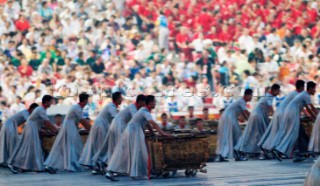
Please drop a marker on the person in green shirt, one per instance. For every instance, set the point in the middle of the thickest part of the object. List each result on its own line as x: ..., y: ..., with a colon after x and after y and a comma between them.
x: 35, y: 60
x: 92, y: 59
x: 16, y: 60
x: 60, y: 61
x: 80, y: 60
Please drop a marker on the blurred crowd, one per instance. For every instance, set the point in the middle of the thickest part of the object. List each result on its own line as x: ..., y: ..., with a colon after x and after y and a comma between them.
x: 181, y: 50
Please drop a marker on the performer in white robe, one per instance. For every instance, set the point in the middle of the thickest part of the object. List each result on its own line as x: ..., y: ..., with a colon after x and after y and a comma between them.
x: 99, y: 132
x: 130, y: 155
x: 28, y: 152
x: 269, y: 138
x: 291, y: 120
x: 9, y: 136
x: 314, y: 143
x: 229, y: 130
x: 116, y: 129
x: 68, y: 145
x: 257, y: 123
x: 313, y: 177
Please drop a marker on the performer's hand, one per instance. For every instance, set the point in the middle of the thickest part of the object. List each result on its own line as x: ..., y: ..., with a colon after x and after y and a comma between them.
x: 167, y: 134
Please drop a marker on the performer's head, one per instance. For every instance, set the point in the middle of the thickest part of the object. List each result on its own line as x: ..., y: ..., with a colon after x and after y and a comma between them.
x: 150, y: 102
x: 191, y: 110
x: 275, y: 90
x: 311, y: 87
x: 117, y: 98
x: 248, y: 95
x: 83, y: 99
x: 300, y: 85
x: 32, y: 107
x: 199, y: 123
x: 182, y: 121
x: 46, y: 101
x: 58, y: 119
x: 140, y: 101
x: 164, y: 118
x: 205, y: 113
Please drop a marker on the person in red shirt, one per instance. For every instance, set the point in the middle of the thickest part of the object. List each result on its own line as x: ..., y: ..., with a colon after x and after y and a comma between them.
x: 22, y: 24
x: 315, y: 31
x: 205, y: 20
x: 224, y: 35
x: 25, y: 69
x: 312, y: 14
x: 213, y: 34
x: 182, y: 38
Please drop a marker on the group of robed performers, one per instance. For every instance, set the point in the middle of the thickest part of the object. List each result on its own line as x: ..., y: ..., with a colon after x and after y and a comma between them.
x: 116, y: 142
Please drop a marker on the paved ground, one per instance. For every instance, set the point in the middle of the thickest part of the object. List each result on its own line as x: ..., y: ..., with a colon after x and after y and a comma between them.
x: 232, y: 173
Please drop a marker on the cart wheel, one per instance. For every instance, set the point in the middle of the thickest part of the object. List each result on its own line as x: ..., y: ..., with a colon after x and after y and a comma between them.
x: 165, y: 174
x: 157, y: 173
x: 187, y: 172
x: 193, y: 173
x: 174, y: 173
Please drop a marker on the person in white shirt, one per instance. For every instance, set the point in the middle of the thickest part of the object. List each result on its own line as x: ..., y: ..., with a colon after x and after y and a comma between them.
x: 147, y: 44
x: 246, y: 41
x: 165, y: 125
x: 272, y: 67
x: 198, y: 44
x: 182, y: 124
x: 273, y: 38
x: 17, y: 106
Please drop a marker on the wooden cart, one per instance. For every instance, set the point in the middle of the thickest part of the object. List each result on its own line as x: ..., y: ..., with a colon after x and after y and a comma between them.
x: 48, y: 140
x: 187, y: 152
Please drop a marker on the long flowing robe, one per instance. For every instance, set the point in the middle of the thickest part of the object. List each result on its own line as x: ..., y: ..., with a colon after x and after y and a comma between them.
x: 313, y: 177
x: 28, y: 152
x: 116, y: 129
x: 229, y: 130
x: 9, y: 136
x: 130, y: 155
x: 257, y: 124
x: 98, y: 134
x: 291, y: 123
x: 269, y: 138
x: 68, y: 145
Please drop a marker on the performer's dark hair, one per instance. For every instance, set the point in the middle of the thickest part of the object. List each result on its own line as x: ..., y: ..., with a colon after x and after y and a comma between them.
x: 141, y: 98
x: 58, y: 115
x: 83, y: 97
x: 248, y: 92
x: 300, y: 84
x: 311, y: 85
x: 163, y: 114
x: 46, y: 98
x: 190, y: 107
x: 198, y: 119
x: 150, y: 99
x: 33, y: 106
x: 116, y: 96
x: 205, y: 109
x: 275, y: 87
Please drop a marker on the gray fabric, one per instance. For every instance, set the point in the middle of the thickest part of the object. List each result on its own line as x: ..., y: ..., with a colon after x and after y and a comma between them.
x: 68, y: 146
x: 9, y: 136
x: 163, y: 38
x: 269, y: 138
x: 28, y: 153
x: 313, y: 177
x: 229, y: 130
x: 257, y: 124
x: 116, y: 129
x: 130, y: 155
x: 291, y: 123
x: 314, y: 143
x: 92, y: 153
